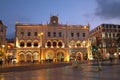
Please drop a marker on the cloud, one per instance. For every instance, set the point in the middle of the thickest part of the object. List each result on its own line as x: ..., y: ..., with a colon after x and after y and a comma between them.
x: 108, y: 9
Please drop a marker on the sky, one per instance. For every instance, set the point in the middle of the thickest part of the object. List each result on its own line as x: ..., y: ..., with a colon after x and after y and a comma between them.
x: 73, y: 12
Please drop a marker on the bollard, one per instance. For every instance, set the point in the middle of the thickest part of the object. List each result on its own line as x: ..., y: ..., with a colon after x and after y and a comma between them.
x: 1, y: 62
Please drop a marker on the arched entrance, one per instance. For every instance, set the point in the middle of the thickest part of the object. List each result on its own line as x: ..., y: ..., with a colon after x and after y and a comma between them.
x: 35, y: 56
x: 76, y: 56
x: 21, y: 57
x: 79, y: 56
x: 49, y: 56
x: 29, y: 57
x: 60, y: 56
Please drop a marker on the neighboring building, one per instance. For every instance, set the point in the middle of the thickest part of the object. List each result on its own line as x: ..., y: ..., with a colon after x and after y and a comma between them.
x: 53, y: 41
x: 10, y: 49
x: 2, y: 40
x: 105, y: 38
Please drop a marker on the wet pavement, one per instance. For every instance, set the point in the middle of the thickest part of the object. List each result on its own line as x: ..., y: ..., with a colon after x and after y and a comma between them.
x: 30, y: 66
x: 82, y: 72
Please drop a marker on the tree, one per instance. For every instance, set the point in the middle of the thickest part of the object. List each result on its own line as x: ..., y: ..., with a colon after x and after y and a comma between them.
x: 94, y: 49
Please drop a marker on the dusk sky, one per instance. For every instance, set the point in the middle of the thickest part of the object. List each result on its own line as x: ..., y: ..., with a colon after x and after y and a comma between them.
x: 74, y: 12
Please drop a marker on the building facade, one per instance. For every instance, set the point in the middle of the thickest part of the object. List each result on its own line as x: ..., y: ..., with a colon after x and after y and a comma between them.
x: 10, y: 55
x: 2, y: 40
x: 105, y: 38
x: 52, y: 41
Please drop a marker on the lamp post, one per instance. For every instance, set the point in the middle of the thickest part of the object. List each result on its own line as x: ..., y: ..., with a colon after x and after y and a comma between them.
x: 40, y: 35
x: 2, y: 50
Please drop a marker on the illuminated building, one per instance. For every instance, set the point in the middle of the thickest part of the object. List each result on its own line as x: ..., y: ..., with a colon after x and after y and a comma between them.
x: 58, y: 42
x: 10, y: 49
x: 2, y: 40
x: 105, y: 38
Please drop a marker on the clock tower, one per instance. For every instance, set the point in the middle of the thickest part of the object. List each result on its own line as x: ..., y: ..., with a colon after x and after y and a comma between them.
x: 54, y: 20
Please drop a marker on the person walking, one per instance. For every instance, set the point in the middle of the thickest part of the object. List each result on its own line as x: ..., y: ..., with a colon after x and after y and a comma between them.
x: 1, y: 62
x: 111, y: 58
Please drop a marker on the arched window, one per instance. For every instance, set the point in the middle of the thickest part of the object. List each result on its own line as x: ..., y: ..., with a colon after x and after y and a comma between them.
x: 54, y: 44
x: 60, y: 44
x: 78, y: 44
x: 29, y: 44
x: 49, y: 44
x: 72, y: 43
x: 35, y: 44
x: 22, y: 44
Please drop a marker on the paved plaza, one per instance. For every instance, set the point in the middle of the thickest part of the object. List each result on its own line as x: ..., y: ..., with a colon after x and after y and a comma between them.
x: 84, y: 71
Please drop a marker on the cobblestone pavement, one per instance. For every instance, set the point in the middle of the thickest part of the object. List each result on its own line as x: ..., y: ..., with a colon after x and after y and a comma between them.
x: 82, y: 72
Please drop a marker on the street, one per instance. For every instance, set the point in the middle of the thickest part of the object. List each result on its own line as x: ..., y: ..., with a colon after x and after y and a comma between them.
x: 83, y: 72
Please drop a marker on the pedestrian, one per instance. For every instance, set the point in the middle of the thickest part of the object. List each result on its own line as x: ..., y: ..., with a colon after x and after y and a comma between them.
x: 33, y: 61
x: 8, y: 61
x: 111, y: 58
x: 14, y: 61
x: 1, y: 62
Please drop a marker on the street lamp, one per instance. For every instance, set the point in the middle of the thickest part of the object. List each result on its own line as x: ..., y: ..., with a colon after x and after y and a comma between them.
x: 2, y: 50
x: 40, y: 35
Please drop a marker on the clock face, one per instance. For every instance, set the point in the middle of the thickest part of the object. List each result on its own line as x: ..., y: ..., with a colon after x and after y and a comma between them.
x: 54, y: 21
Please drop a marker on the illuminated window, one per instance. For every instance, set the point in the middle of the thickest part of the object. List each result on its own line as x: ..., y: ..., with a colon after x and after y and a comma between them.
x: 54, y: 44
x: 72, y: 43
x: 78, y: 44
x: 9, y: 47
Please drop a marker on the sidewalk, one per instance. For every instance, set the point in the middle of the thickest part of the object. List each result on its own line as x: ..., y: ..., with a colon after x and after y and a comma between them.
x: 31, y: 66
x: 85, y: 71
x: 105, y: 62
x: 17, y: 64
x: 28, y: 64
x: 34, y: 66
